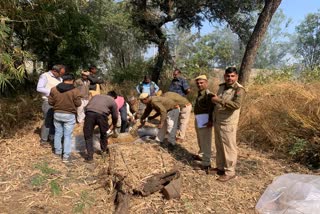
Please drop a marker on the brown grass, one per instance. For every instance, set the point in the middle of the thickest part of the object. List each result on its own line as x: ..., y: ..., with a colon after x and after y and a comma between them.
x: 274, y: 116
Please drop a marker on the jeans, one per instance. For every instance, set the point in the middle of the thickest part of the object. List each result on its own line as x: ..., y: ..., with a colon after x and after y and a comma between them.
x: 124, y: 119
x: 47, y: 128
x: 64, y: 124
x: 91, y: 120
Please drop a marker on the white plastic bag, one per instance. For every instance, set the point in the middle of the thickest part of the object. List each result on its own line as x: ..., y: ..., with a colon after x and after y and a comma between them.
x: 291, y: 194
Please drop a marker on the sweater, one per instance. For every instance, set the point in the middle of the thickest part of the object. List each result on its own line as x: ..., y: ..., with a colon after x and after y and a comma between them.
x: 65, y: 98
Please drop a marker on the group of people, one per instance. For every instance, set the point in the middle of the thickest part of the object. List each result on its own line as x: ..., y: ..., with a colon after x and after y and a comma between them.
x: 219, y: 110
x: 67, y: 101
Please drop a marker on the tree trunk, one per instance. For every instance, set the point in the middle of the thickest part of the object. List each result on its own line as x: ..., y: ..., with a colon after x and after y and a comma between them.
x: 159, y: 63
x: 255, y: 40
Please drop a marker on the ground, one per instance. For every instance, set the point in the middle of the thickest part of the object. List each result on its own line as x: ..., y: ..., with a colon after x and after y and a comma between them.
x: 33, y: 180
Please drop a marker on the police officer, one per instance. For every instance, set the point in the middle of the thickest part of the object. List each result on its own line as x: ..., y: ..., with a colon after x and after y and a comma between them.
x: 226, y: 116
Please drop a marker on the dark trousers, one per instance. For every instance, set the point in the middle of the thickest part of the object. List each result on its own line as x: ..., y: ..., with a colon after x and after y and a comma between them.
x: 124, y: 119
x: 91, y: 120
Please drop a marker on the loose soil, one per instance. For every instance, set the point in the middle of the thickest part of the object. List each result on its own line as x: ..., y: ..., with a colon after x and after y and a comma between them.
x: 33, y: 180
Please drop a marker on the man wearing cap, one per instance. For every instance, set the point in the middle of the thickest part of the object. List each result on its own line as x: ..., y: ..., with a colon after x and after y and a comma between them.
x: 97, y: 112
x: 226, y: 117
x: 185, y: 112
x: 47, y: 81
x: 169, y: 113
x: 65, y: 99
x: 83, y: 85
x: 203, y: 110
x: 179, y: 84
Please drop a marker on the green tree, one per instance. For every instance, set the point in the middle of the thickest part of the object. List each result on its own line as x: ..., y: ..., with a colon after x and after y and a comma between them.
x: 308, y: 40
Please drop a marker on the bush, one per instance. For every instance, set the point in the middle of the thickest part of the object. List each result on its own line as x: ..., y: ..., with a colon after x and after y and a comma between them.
x: 17, y: 113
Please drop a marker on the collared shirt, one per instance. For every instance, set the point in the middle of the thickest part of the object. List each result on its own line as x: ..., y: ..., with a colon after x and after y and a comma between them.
x: 179, y: 85
x: 233, y: 102
x: 204, y: 104
x: 161, y: 105
x: 41, y: 86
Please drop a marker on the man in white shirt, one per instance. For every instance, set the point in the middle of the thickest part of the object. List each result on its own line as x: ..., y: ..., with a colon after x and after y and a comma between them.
x: 47, y: 81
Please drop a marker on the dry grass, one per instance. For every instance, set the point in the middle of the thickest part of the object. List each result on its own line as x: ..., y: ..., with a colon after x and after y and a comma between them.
x: 279, y: 116
x: 32, y: 180
x: 16, y: 114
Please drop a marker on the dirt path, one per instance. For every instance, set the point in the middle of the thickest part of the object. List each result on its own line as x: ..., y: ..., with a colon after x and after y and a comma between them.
x: 32, y: 180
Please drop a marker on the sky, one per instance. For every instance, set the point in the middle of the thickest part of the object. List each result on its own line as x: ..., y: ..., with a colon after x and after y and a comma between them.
x: 297, y: 10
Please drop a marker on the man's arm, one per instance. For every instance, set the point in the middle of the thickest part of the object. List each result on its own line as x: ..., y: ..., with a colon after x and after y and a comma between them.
x: 77, y: 98
x: 234, y: 103
x: 41, y: 86
x: 185, y: 87
x: 146, y: 112
x: 95, y: 79
x: 159, y: 108
x: 138, y: 89
x: 51, y: 99
x: 156, y: 87
x: 114, y: 114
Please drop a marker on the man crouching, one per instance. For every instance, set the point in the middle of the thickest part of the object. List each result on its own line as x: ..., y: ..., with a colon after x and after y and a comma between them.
x: 169, y: 114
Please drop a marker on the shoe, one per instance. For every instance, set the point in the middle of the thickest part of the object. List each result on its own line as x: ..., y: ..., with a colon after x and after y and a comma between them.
x: 201, y: 167
x: 45, y: 144
x: 225, y: 178
x: 217, y: 171
x: 104, y: 154
x: 57, y: 155
x: 66, y: 160
x: 196, y: 157
x: 88, y: 160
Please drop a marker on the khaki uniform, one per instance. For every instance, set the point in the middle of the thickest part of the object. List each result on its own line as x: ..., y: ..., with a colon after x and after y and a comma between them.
x: 226, y: 118
x: 204, y: 105
x: 169, y: 113
x: 185, y: 112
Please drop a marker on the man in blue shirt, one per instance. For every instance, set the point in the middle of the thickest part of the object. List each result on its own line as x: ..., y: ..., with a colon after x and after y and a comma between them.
x: 147, y: 86
x: 179, y: 84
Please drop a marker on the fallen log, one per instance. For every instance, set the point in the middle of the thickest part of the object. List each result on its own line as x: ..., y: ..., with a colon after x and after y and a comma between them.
x: 157, y: 182
x: 173, y: 189
x: 121, y: 199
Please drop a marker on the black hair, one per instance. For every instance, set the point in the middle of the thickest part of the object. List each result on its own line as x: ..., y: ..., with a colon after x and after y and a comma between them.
x: 68, y: 77
x: 112, y: 94
x: 58, y: 68
x: 92, y: 67
x: 147, y: 77
x: 230, y: 70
